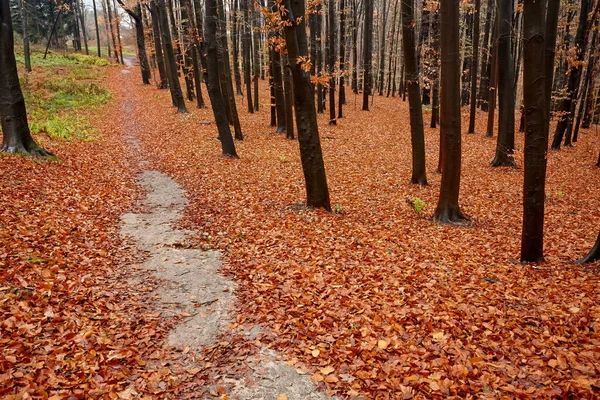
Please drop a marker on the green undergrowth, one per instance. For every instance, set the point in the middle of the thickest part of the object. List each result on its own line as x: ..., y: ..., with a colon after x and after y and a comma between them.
x: 60, y: 91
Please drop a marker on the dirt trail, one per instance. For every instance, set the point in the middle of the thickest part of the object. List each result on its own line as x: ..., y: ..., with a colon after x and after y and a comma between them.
x: 194, y: 285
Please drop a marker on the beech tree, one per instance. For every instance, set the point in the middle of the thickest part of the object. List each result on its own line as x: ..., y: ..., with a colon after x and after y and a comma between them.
x: 448, y: 210
x: 317, y: 192
x: 367, y: 53
x: 136, y: 14
x: 474, y: 64
x: 506, y: 95
x: 417, y: 135
x: 16, y: 137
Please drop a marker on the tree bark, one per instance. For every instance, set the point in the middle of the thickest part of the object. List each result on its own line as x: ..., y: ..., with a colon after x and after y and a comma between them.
x: 278, y: 89
x: 246, y: 44
x: 536, y: 141
x: 382, y: 47
x: 317, y: 193
x: 331, y: 62
x: 493, y: 92
x: 474, y: 64
x: 592, y: 255
x: 136, y: 15
x: 160, y: 60
x: 506, y: 96
x: 170, y: 62
x: 112, y: 30
x: 16, y: 137
x: 214, y: 88
x: 342, y: 95
x: 289, y: 101
x: 567, y: 104
x: 256, y: 56
x: 448, y: 210
x: 26, y: 52
x: 419, y: 175
x: 368, y: 53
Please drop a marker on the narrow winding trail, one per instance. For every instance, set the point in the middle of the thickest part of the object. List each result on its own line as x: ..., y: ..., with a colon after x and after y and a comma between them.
x: 193, y: 286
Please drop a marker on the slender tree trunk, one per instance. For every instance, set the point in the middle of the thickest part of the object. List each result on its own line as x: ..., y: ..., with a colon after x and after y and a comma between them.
x: 506, y: 96
x: 256, y: 56
x: 536, y: 141
x: 196, y: 53
x: 392, y: 52
x: 493, y: 93
x: 586, y: 84
x: 107, y: 28
x: 474, y: 64
x: 289, y: 101
x: 83, y: 30
x: 278, y: 89
x: 24, y: 22
x: 331, y: 62
x: 117, y: 19
x: 448, y: 210
x: 342, y: 96
x: 97, y: 30
x: 236, y: 49
x: 317, y: 193
x: 246, y: 44
x: 319, y: 60
x: 170, y: 62
x: 487, y: 55
x: 417, y: 135
x: 112, y: 30
x: 214, y: 88
x: 435, y: 106
x: 136, y: 14
x: 160, y: 61
x: 382, y: 47
x: 368, y: 53
x: 567, y: 105
x: 16, y: 137
x: 227, y: 89
x: 355, y: 46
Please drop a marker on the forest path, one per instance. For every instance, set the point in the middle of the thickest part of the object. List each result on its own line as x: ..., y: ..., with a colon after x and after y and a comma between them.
x: 193, y: 286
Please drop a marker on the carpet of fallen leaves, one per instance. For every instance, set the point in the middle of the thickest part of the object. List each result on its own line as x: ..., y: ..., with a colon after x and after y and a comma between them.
x: 374, y: 300
x: 379, y: 300
x: 71, y: 325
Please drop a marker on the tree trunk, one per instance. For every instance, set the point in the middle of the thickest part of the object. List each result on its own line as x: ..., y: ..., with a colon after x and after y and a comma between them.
x: 236, y: 49
x: 170, y: 62
x: 536, y: 141
x: 493, y: 93
x: 368, y: 53
x: 214, y: 88
x: 289, y: 101
x: 354, y: 46
x: 196, y: 51
x: 448, y: 210
x: 587, y: 82
x: 256, y: 56
x: 593, y: 255
x: 26, y: 52
x: 417, y: 135
x: 382, y: 47
x: 227, y: 89
x: 484, y: 84
x: 474, y: 64
x: 435, y: 104
x: 506, y: 95
x: 246, y: 44
x: 278, y: 89
x: 83, y: 30
x: 117, y: 19
x: 16, y: 137
x: 112, y: 30
x: 317, y: 193
x: 97, y: 30
x: 342, y: 96
x: 331, y: 62
x: 392, y: 51
x: 160, y: 60
x: 567, y: 105
x: 136, y: 15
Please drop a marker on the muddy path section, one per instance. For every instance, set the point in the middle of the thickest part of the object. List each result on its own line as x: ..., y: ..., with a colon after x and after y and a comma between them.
x: 193, y: 285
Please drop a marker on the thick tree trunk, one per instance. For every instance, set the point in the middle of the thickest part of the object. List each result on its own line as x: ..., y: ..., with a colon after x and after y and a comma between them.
x: 567, y: 105
x: 474, y: 64
x: 170, y: 62
x: 16, y: 137
x: 448, y: 210
x: 593, y: 255
x: 506, y: 95
x: 317, y: 193
x: 214, y: 88
x: 160, y: 60
x: 419, y: 175
x: 368, y: 53
x: 536, y: 141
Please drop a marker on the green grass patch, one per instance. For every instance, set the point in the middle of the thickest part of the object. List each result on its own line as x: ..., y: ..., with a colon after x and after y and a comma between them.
x: 58, y: 88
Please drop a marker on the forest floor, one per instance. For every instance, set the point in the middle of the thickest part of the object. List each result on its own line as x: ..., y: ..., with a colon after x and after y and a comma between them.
x: 374, y: 300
